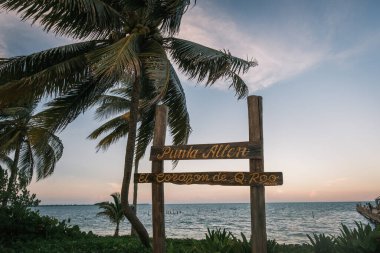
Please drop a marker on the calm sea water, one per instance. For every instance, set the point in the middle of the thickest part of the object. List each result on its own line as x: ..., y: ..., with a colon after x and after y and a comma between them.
x: 286, y: 222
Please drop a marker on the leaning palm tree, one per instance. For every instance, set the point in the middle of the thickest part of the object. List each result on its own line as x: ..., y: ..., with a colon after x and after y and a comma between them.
x: 121, y: 42
x: 35, y: 148
x: 113, y: 211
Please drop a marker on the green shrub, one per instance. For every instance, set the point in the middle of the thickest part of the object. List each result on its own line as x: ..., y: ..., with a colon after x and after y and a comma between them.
x: 222, y: 241
x: 322, y: 243
x: 20, y: 197
x: 218, y: 241
x: 88, y: 243
x: 25, y: 224
x: 362, y: 239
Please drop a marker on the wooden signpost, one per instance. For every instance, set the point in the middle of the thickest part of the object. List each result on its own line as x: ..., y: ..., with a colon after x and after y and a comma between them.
x: 256, y: 178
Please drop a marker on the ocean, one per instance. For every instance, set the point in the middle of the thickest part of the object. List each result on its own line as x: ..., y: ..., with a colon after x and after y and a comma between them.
x: 286, y: 222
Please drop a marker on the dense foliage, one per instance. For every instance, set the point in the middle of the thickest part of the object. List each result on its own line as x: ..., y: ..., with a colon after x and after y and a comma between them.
x: 362, y: 239
x: 43, y: 234
x: 20, y: 197
x: 19, y: 222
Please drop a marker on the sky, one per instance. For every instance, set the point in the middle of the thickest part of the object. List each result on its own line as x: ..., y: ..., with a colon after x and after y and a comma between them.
x: 318, y: 75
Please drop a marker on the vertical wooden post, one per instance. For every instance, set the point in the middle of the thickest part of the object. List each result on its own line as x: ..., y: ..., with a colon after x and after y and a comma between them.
x: 258, y: 222
x: 158, y: 212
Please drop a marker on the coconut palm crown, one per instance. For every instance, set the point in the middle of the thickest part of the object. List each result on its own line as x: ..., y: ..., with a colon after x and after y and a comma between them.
x: 122, y: 43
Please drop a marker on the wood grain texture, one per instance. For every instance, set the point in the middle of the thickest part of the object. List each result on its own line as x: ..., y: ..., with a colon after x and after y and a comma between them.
x: 158, y: 210
x: 213, y: 178
x: 236, y: 150
x: 257, y: 193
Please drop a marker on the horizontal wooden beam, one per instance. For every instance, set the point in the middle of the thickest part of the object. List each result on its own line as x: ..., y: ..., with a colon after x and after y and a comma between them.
x: 213, y: 178
x: 236, y: 150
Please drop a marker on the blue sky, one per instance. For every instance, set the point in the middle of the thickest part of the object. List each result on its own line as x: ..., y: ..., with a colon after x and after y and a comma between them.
x: 317, y: 73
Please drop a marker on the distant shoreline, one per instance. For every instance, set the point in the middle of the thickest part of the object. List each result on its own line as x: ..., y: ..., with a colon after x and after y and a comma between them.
x: 229, y: 203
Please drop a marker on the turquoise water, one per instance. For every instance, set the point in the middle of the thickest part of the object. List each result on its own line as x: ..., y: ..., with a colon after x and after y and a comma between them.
x: 286, y: 222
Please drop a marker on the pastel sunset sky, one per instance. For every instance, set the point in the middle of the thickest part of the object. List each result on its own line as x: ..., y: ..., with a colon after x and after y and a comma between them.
x: 318, y: 75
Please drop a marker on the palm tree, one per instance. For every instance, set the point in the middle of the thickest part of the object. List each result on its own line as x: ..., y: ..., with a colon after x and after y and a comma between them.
x: 118, y: 103
x: 113, y: 211
x: 35, y: 148
x: 121, y: 42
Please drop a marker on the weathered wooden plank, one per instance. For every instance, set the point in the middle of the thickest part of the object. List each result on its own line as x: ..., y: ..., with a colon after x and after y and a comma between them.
x: 158, y: 203
x: 257, y: 194
x: 213, y: 178
x: 236, y: 150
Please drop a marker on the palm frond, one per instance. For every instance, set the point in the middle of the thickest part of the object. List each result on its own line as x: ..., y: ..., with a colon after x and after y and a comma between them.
x: 76, y: 18
x: 116, y: 200
x: 169, y: 13
x: 47, y: 150
x: 117, y: 133
x: 6, y: 160
x: 56, y: 143
x: 118, y: 60
x: 111, y: 105
x: 50, y: 72
x: 46, y: 163
x: 26, y: 161
x: 9, y: 140
x: 145, y: 133
x: 238, y: 84
x: 209, y: 65
x: 178, y: 116
x: 110, y: 125
x: 13, y: 113
x: 63, y: 110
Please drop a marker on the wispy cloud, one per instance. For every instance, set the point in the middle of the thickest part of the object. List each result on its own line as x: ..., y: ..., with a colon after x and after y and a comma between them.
x: 299, y: 45
x: 295, y: 47
x: 278, y: 60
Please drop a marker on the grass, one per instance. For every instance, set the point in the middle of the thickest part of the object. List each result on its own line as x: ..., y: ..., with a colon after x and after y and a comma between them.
x: 109, y: 244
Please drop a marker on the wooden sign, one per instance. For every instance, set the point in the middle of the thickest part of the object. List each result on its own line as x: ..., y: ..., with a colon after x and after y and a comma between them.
x: 213, y: 178
x: 237, y: 150
x: 256, y: 178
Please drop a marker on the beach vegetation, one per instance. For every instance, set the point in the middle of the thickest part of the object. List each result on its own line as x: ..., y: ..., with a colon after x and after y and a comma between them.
x: 322, y: 243
x: 19, y: 222
x: 20, y: 197
x: 113, y: 211
x: 61, y: 237
x: 360, y: 239
x: 34, y: 147
x: 117, y: 44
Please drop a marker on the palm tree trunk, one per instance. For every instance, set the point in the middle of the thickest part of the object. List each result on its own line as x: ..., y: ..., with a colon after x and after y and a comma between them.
x: 135, y: 186
x: 12, y: 177
x: 128, y: 165
x: 117, y: 229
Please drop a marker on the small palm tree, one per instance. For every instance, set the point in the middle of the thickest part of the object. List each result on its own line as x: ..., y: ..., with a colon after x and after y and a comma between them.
x: 113, y: 211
